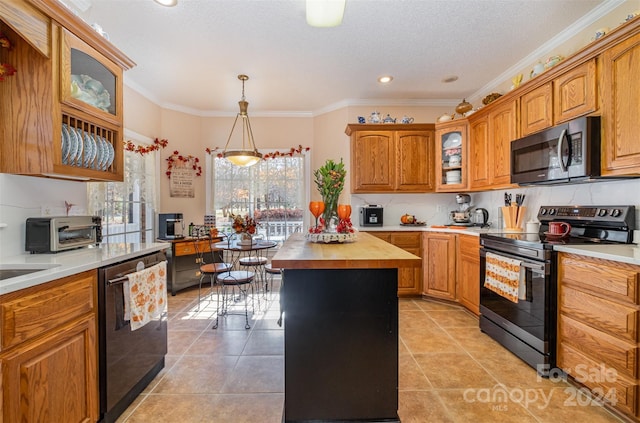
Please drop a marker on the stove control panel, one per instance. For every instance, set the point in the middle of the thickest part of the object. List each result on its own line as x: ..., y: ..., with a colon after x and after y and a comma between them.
x: 594, y: 214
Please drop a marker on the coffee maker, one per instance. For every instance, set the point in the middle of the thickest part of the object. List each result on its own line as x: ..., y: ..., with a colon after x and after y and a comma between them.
x: 170, y: 226
x: 462, y: 216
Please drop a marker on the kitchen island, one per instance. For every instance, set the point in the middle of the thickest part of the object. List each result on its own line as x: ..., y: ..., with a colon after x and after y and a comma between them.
x: 340, y: 309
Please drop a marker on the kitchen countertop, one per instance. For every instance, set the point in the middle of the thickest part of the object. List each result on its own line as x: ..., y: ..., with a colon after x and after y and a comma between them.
x: 367, y: 252
x: 627, y: 253
x: 71, y: 262
x: 466, y: 230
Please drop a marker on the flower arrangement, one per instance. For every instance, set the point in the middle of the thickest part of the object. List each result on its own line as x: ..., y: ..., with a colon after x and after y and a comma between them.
x: 329, y: 180
x: 244, y: 224
x: 143, y: 149
x: 176, y: 157
x: 5, y: 68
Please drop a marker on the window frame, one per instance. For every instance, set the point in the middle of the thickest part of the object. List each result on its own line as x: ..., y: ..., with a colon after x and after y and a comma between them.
x: 210, y: 180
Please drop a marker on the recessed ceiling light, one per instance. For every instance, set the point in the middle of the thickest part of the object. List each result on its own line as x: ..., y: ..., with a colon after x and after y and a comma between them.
x: 385, y: 79
x: 449, y: 79
x: 169, y: 3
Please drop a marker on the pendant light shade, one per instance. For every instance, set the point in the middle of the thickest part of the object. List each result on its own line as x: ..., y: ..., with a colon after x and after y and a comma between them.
x: 249, y: 154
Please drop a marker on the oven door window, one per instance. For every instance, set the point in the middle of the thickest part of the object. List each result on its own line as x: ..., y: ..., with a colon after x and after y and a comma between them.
x: 531, y: 315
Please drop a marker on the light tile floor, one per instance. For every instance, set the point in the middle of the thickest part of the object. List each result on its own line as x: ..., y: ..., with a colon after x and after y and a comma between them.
x: 449, y: 372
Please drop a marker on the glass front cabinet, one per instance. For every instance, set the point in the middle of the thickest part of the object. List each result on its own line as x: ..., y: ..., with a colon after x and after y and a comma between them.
x: 451, y: 156
x: 91, y: 112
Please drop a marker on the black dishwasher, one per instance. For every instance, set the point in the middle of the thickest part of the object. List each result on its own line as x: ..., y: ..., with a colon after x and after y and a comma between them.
x: 128, y: 360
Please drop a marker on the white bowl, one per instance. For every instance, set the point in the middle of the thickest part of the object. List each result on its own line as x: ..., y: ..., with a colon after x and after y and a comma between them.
x: 453, y: 174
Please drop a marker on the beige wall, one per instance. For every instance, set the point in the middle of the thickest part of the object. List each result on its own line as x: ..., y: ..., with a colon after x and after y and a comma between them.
x: 191, y: 135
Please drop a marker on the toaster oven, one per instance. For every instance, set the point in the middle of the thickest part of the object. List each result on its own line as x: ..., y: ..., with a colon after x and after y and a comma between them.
x: 56, y: 234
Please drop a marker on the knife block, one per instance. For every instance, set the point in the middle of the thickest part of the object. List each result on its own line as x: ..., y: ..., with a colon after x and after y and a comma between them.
x: 513, y: 217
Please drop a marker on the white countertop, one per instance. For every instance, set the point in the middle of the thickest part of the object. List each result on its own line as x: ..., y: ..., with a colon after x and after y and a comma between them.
x: 71, y: 262
x: 466, y: 230
x: 628, y: 253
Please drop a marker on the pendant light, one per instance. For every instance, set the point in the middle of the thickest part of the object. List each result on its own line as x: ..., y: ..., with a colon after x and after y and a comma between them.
x: 250, y: 155
x: 325, y: 13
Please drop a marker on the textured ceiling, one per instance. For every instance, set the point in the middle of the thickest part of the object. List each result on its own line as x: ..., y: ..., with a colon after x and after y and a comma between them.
x: 188, y: 57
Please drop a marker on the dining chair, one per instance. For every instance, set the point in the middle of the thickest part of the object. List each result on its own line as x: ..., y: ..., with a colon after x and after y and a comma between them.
x: 206, y: 259
x: 242, y: 280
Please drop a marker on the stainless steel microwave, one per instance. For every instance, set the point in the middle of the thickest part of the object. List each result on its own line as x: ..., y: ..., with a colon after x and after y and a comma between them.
x: 569, y: 152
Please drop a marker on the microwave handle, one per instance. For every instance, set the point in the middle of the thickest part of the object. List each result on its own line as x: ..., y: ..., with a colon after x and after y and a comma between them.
x: 561, y: 140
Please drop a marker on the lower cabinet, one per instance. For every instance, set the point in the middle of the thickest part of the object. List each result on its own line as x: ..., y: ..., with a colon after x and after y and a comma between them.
x: 409, y: 279
x: 468, y: 268
x: 439, y: 264
x: 598, y: 318
x: 184, y: 269
x: 49, y: 352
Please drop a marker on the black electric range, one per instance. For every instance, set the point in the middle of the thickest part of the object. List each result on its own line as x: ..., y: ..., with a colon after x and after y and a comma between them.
x: 527, y: 325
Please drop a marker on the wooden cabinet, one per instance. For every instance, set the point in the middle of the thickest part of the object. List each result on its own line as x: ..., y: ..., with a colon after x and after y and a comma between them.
x: 570, y: 95
x: 536, y: 109
x: 620, y: 66
x: 391, y: 158
x: 468, y: 272
x: 49, y: 351
x: 64, y: 115
x: 503, y: 128
x: 574, y: 92
x: 439, y: 265
x: 491, y: 133
x: 184, y: 269
x: 410, y: 278
x: 598, y: 339
x: 479, y: 153
x: 451, y: 156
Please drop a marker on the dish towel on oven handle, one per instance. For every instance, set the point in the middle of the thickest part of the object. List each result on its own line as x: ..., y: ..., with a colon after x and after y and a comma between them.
x: 145, y: 295
x: 506, y: 277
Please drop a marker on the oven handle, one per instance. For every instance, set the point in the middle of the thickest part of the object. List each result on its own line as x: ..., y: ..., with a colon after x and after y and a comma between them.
x: 524, y: 263
x: 124, y: 278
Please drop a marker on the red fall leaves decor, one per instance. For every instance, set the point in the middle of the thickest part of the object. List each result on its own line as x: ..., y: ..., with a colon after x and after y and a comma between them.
x: 144, y: 149
x: 176, y: 157
x: 6, y: 69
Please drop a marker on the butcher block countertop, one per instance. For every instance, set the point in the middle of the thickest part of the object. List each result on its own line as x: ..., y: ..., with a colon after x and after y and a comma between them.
x: 365, y: 253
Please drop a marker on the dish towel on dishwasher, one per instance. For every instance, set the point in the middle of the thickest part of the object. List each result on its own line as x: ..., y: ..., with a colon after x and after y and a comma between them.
x: 145, y: 295
x: 505, y: 277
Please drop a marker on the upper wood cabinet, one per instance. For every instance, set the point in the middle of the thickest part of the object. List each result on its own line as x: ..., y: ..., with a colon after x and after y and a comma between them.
x: 574, y: 92
x: 66, y: 117
x: 620, y: 66
x: 391, y: 158
x: 570, y: 95
x: 491, y: 133
x: 536, y: 109
x: 451, y: 156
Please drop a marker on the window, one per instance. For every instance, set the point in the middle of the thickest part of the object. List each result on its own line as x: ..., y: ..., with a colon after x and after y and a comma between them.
x: 127, y: 208
x: 273, y: 192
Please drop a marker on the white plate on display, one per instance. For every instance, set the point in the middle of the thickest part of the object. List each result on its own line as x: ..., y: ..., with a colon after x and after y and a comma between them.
x: 89, y: 150
x: 65, y: 144
x: 105, y: 153
x: 97, y: 163
x: 73, y: 145
x: 454, y: 140
x: 111, y: 154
